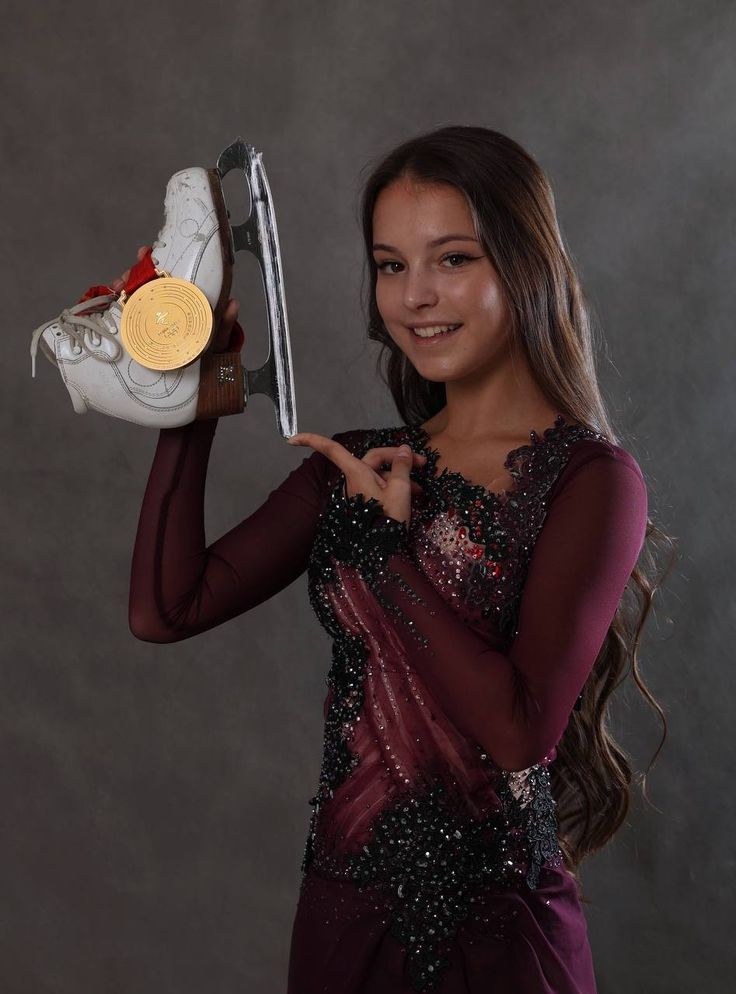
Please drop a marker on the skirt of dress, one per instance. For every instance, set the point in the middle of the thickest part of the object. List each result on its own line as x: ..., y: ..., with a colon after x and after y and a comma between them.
x: 517, y: 942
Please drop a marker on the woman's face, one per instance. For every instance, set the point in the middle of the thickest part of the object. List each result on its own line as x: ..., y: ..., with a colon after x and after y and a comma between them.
x: 432, y: 271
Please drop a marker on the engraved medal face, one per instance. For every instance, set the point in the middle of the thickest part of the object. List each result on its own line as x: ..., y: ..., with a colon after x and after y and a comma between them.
x: 166, y: 323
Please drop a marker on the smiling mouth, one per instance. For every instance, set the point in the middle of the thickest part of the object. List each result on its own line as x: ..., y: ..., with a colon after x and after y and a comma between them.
x: 436, y: 331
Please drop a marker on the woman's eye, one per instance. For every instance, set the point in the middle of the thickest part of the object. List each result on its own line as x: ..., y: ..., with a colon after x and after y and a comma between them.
x: 456, y: 255
x: 381, y: 266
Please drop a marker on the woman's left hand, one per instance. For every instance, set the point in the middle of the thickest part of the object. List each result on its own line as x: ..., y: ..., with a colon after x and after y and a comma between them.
x: 391, y: 488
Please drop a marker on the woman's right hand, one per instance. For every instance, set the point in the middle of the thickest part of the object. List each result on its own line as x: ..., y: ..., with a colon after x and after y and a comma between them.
x: 227, y: 336
x: 392, y: 488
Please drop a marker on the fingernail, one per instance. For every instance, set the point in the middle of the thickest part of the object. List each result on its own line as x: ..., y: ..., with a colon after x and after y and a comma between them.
x: 404, y: 450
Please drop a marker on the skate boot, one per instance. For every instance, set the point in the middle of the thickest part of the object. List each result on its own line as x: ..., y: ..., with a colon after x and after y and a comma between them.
x: 154, y: 365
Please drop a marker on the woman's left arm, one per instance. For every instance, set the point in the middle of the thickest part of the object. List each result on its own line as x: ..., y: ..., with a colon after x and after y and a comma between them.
x: 517, y: 705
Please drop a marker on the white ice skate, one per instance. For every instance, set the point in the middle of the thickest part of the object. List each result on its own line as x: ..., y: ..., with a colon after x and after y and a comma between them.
x: 197, y: 244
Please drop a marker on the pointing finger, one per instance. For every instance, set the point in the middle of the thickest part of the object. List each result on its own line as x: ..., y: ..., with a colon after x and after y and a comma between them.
x: 384, y: 454
x: 401, y: 463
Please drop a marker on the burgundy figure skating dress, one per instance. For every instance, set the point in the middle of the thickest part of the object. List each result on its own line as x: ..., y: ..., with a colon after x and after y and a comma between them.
x: 460, y: 646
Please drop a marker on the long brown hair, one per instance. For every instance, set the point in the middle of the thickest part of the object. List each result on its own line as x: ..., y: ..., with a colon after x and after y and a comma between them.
x: 513, y: 210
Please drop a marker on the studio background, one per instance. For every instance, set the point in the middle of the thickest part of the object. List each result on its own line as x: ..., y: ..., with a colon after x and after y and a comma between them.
x: 154, y: 797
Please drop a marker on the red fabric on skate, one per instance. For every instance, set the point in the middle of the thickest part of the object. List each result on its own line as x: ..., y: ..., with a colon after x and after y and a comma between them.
x: 142, y: 272
x: 96, y: 291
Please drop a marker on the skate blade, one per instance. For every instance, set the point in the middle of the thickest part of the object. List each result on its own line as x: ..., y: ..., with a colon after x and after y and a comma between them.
x: 259, y: 236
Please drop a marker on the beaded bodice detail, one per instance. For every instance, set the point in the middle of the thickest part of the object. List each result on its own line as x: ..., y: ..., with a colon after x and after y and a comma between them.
x: 405, y: 802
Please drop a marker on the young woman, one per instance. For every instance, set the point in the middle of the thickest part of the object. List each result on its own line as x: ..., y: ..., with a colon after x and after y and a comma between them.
x: 470, y: 565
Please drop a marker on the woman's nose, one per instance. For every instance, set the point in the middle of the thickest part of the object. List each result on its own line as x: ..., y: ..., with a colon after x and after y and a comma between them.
x: 419, y: 290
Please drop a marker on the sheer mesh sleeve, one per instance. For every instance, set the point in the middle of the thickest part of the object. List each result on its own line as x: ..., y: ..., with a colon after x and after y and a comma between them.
x: 517, y: 705
x: 179, y: 585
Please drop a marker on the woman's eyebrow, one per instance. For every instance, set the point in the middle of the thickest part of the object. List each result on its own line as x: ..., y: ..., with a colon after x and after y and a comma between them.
x: 437, y: 241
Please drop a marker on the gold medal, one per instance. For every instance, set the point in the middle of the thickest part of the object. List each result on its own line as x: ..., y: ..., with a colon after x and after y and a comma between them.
x: 166, y: 323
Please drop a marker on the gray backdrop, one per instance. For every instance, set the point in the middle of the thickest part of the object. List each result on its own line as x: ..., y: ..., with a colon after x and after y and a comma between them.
x: 154, y: 798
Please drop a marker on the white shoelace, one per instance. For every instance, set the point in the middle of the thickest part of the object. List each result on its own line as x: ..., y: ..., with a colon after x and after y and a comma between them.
x: 76, y: 326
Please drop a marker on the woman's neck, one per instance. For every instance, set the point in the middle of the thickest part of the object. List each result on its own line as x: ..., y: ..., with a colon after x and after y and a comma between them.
x: 506, y: 405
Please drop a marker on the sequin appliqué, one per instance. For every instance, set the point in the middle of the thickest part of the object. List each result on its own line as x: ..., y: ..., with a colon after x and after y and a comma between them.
x: 434, y: 862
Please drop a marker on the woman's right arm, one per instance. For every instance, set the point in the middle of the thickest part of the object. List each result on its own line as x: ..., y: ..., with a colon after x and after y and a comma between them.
x: 179, y: 586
